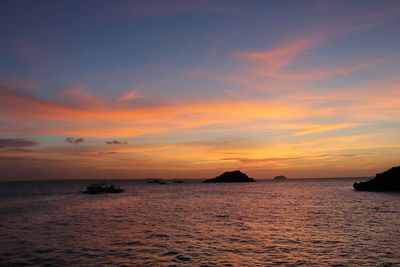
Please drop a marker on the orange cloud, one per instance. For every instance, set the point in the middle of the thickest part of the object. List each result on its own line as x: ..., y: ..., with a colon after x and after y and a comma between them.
x: 133, y: 120
x: 252, y: 160
x: 325, y: 128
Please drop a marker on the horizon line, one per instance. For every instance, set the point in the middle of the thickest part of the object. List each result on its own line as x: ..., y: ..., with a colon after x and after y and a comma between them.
x: 171, y: 179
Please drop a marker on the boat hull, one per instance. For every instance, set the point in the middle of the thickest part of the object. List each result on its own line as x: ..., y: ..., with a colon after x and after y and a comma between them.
x: 103, y: 191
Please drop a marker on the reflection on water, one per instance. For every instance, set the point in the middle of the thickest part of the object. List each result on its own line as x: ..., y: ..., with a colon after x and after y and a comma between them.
x: 307, y: 222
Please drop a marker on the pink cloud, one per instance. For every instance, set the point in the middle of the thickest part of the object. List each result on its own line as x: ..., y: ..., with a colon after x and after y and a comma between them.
x: 134, y: 94
x: 274, y: 63
x: 80, y: 96
x: 281, y: 56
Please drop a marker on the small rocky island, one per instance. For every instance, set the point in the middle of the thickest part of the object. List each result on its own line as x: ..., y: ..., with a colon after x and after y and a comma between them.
x: 280, y: 177
x: 230, y: 177
x: 385, y: 181
x: 155, y: 181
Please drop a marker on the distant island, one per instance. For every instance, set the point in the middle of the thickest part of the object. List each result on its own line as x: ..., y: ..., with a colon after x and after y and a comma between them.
x: 385, y: 181
x: 230, y: 177
x: 155, y: 181
x: 280, y: 177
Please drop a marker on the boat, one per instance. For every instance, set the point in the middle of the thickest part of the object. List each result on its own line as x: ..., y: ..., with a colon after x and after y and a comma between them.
x: 155, y: 181
x: 102, y: 188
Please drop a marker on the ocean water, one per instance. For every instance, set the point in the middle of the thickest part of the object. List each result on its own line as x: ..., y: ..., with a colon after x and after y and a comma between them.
x: 267, y: 223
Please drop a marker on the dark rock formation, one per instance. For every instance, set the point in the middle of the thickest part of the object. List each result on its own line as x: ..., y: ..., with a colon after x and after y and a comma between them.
x: 280, y: 177
x: 230, y: 177
x: 155, y: 181
x: 385, y: 181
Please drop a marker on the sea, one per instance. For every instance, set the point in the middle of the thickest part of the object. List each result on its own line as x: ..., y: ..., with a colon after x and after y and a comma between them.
x: 296, y: 222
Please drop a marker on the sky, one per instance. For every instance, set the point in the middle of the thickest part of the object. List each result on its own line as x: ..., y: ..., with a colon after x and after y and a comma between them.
x: 190, y: 89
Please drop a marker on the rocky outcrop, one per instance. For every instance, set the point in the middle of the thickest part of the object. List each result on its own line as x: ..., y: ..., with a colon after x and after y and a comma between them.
x: 155, y: 181
x: 385, y: 181
x: 280, y: 177
x: 230, y: 177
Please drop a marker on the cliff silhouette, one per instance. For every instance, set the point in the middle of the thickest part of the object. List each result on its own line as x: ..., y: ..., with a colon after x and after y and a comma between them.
x: 230, y: 177
x: 385, y: 181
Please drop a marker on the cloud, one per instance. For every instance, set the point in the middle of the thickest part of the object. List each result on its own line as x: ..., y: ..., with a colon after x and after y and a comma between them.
x: 325, y: 128
x: 252, y: 160
x: 279, y: 68
x: 109, y: 153
x: 16, y: 85
x: 25, y: 114
x: 230, y: 92
x: 270, y: 160
x: 17, y: 143
x: 75, y: 141
x: 119, y: 120
x: 80, y: 96
x: 130, y: 96
x: 274, y: 68
x: 12, y: 158
x: 337, y: 155
x: 282, y: 56
x: 116, y: 142
x: 275, y: 63
x: 43, y: 160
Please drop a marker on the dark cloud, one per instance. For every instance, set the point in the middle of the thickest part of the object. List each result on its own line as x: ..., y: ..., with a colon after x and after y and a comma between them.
x: 115, y: 142
x: 17, y: 143
x: 21, y: 150
x: 16, y: 158
x: 12, y: 158
x: 75, y: 141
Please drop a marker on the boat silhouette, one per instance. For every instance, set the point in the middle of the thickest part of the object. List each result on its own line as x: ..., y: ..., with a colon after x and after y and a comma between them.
x: 102, y: 188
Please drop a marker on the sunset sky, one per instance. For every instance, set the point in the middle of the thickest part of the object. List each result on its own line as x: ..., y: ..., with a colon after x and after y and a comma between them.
x: 189, y: 89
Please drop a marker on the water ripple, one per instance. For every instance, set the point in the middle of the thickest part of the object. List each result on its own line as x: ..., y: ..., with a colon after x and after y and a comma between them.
x: 298, y: 223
